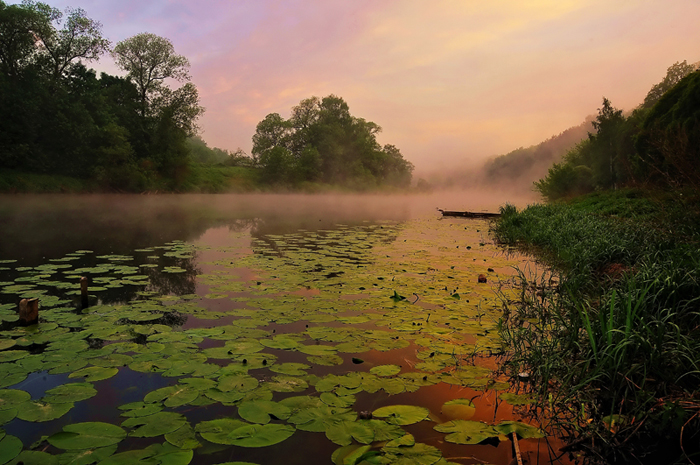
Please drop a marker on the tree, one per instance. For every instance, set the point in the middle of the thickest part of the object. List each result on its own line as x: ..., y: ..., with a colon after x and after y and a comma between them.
x: 674, y: 74
x: 80, y: 38
x: 273, y: 131
x: 149, y: 60
x: 19, y: 26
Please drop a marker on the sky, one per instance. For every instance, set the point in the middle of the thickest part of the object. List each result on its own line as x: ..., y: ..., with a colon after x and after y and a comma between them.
x: 451, y: 82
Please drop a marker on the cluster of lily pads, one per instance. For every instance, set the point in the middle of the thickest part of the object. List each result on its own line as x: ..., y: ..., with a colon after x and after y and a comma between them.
x: 290, y: 351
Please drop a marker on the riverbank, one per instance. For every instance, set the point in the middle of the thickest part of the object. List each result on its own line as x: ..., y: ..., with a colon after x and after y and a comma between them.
x: 610, y: 337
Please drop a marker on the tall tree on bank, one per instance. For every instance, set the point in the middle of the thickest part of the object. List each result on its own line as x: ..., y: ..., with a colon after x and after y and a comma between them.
x: 168, y: 116
x: 149, y: 60
x: 323, y: 142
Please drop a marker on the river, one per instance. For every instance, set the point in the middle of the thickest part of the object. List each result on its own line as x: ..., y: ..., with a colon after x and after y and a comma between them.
x: 257, y: 329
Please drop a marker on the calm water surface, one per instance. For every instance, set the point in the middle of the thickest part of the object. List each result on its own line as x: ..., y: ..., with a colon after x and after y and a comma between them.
x: 181, y: 278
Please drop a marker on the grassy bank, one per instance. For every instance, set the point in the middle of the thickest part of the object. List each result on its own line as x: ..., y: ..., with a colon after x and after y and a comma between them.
x: 610, y: 338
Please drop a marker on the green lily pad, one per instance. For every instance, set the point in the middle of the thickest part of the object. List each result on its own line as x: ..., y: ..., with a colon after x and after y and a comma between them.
x: 34, y: 457
x: 402, y: 414
x: 523, y: 430
x: 385, y: 370
x: 353, y: 454
x: 459, y: 409
x: 239, y: 383
x: 153, y: 454
x: 10, y: 447
x: 87, y: 457
x: 466, y: 431
x: 287, y: 384
x: 217, y: 431
x: 92, y: 374
x: 292, y: 369
x: 344, y: 432
x: 73, y: 392
x: 173, y: 396
x: 418, y: 454
x: 318, y: 419
x: 40, y: 412
x: 154, y: 425
x: 260, y: 411
x: 183, y: 438
x: 260, y: 435
x: 88, y: 435
x: 10, y: 398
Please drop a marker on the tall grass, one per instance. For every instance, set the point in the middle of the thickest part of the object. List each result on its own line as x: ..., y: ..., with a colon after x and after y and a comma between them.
x: 613, y: 349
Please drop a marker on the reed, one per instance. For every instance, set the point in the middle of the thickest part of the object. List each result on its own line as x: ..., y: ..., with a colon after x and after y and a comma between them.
x: 613, y: 349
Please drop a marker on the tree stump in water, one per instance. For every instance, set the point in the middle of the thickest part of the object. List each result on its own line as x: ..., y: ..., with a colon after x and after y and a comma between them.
x: 29, y: 311
x: 84, y: 292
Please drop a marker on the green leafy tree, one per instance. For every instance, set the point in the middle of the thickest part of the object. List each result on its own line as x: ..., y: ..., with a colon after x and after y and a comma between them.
x: 19, y: 27
x: 323, y: 142
x: 80, y: 38
x: 674, y: 74
x: 149, y: 60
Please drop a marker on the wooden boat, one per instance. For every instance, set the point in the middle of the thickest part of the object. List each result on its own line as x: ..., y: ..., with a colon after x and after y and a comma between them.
x: 469, y: 214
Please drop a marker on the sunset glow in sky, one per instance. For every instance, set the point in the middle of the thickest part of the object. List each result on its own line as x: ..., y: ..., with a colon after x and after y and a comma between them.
x: 449, y: 81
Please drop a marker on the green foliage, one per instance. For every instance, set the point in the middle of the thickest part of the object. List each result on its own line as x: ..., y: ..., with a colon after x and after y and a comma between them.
x: 322, y: 142
x: 124, y: 133
x: 657, y: 144
x: 669, y: 140
x: 615, y: 327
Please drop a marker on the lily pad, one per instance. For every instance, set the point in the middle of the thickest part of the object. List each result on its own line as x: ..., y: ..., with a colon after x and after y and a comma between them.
x: 402, y: 414
x: 154, y: 425
x: 260, y: 435
x: 92, y: 374
x: 523, y: 430
x: 73, y: 392
x: 217, y: 431
x: 10, y: 447
x: 344, y: 432
x: 418, y: 454
x: 466, y: 431
x: 88, y: 435
x: 385, y: 370
x: 260, y: 411
x: 459, y: 409
x: 10, y: 398
x: 40, y: 412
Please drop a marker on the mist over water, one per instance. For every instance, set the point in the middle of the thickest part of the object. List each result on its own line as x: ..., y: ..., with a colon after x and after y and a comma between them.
x: 35, y: 228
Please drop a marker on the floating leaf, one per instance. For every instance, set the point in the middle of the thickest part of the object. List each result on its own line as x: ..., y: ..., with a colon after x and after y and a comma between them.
x: 92, y: 374
x: 293, y: 369
x: 40, y: 412
x: 260, y: 411
x: 466, y: 431
x: 260, y: 435
x: 73, y: 392
x: 459, y: 409
x: 217, y: 431
x: 154, y: 425
x: 385, y: 370
x: 183, y: 437
x: 342, y: 433
x: 10, y: 447
x: 523, y: 430
x: 10, y: 398
x: 153, y: 454
x: 402, y: 414
x: 418, y: 454
x: 88, y: 435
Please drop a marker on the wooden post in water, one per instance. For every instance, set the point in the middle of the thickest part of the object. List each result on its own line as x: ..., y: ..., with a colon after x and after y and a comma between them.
x: 84, y: 292
x: 29, y: 311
